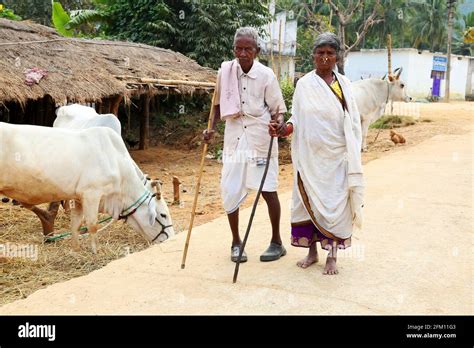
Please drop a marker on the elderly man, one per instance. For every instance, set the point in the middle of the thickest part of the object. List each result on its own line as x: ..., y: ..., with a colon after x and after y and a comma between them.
x: 247, y: 94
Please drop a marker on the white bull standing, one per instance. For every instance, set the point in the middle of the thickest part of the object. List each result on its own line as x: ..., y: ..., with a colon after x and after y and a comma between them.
x: 76, y: 116
x: 372, y: 95
x: 91, y: 167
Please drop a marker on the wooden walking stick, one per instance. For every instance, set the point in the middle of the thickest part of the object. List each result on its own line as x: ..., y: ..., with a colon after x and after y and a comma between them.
x: 198, y: 184
x: 267, y: 164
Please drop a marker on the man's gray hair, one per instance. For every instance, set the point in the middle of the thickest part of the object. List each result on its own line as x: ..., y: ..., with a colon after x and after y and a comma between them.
x: 246, y: 32
x: 329, y: 39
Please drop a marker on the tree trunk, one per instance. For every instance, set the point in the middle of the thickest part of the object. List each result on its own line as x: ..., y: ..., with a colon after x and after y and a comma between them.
x: 340, y: 62
x: 450, y: 34
x: 340, y: 66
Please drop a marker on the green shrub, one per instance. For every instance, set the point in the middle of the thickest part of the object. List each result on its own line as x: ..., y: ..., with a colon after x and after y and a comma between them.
x: 8, y: 14
x: 393, y: 121
x: 287, y: 89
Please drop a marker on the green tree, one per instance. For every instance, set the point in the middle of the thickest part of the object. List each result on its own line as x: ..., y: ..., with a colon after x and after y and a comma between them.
x: 8, y: 14
x: 313, y: 18
x: 397, y: 17
x: 459, y: 46
x: 430, y: 24
x: 202, y: 30
x: 346, y: 13
x: 40, y: 10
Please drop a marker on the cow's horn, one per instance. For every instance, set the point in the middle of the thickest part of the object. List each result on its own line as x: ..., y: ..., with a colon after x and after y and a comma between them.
x: 157, y: 188
x: 397, y: 75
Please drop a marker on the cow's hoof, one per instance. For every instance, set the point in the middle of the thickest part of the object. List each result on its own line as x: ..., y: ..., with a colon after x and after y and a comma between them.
x: 5, y: 200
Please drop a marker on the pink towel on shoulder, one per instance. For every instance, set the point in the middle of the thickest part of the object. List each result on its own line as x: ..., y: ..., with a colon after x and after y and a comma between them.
x: 230, y: 95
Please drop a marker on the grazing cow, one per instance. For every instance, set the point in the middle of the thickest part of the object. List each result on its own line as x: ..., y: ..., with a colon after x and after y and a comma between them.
x: 373, y: 94
x: 76, y: 116
x: 92, y: 167
x: 79, y: 117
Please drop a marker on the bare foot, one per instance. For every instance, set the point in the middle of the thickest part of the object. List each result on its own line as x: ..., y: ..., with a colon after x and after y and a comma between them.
x: 330, y: 268
x: 311, y: 258
x: 307, y: 261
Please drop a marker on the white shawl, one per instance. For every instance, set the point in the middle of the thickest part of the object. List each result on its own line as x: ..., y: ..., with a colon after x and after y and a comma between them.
x: 326, y: 153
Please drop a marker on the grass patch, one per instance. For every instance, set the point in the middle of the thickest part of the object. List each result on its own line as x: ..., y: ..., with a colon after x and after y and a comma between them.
x: 393, y: 121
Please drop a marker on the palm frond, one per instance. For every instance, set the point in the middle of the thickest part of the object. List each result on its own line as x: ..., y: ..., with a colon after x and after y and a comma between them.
x: 79, y: 17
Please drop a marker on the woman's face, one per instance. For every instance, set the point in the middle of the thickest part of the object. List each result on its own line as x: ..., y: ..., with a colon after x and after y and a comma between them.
x: 324, y: 58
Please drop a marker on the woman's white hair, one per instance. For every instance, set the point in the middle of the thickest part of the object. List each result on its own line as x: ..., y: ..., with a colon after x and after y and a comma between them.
x: 328, y: 39
x: 246, y: 32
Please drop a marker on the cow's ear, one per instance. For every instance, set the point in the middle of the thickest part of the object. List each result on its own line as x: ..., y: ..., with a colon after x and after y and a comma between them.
x: 152, y: 216
x: 391, y: 78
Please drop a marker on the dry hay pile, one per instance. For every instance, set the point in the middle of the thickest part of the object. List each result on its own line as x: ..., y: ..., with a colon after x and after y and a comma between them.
x: 56, y: 261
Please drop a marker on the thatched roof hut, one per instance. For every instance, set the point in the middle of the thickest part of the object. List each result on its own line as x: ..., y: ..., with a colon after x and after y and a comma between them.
x: 88, y: 71
x: 83, y: 70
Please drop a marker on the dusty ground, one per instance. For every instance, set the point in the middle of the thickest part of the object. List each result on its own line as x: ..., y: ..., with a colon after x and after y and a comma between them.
x: 56, y: 262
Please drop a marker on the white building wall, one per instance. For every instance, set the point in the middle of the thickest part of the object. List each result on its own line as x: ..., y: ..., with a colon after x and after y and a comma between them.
x: 416, y: 70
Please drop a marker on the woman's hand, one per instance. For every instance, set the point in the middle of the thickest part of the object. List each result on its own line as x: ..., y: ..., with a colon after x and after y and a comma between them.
x: 277, y: 126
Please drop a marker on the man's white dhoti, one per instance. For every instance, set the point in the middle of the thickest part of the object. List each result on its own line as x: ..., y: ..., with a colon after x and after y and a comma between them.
x: 242, y: 171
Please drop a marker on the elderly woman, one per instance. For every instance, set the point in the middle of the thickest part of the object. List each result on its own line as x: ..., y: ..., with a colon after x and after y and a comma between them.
x: 328, y: 182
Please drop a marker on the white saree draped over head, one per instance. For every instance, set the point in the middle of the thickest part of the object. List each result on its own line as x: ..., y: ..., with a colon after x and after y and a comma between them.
x: 326, y: 155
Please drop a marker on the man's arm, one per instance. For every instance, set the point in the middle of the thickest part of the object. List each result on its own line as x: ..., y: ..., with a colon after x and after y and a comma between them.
x: 276, y: 104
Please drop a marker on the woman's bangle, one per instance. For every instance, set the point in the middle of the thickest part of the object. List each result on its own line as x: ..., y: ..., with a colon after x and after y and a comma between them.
x: 289, y: 129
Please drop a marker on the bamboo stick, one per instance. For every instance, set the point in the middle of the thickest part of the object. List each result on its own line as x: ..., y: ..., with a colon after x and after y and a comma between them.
x: 165, y: 82
x: 198, y: 184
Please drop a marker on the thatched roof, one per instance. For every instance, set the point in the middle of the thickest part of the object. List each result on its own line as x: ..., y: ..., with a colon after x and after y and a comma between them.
x: 85, y: 70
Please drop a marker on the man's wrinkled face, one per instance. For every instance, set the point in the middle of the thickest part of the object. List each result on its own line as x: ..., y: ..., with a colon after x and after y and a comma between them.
x: 245, y: 50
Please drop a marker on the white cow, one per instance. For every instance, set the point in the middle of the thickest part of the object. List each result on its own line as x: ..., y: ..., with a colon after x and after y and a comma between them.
x: 76, y: 116
x: 91, y: 167
x: 372, y: 95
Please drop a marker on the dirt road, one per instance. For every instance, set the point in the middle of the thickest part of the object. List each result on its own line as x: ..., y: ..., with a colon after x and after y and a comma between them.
x: 414, y: 255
